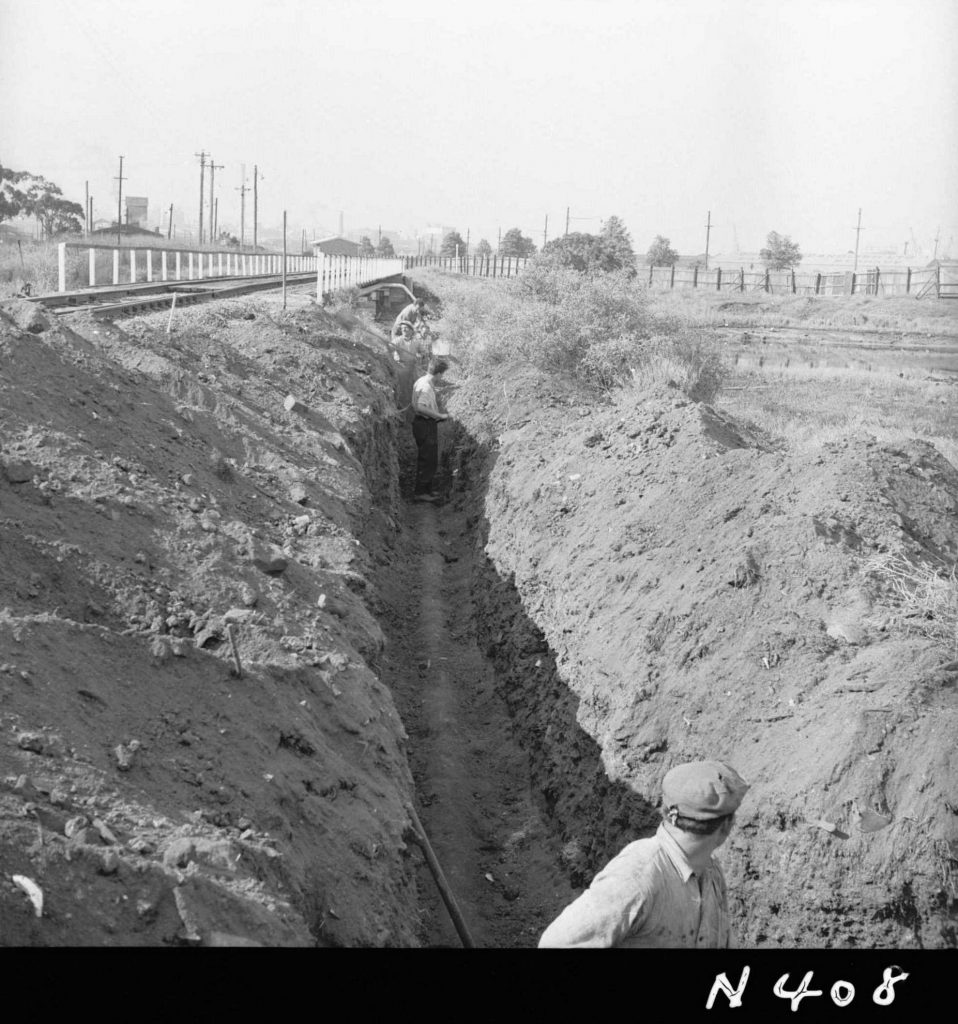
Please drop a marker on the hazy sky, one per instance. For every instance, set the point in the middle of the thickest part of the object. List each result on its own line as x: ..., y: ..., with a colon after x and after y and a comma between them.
x: 403, y: 113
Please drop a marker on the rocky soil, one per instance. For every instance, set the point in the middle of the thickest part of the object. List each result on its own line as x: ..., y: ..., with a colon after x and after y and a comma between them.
x: 233, y: 657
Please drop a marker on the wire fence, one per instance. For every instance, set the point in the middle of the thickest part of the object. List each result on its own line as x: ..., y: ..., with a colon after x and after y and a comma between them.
x: 874, y: 281
x: 937, y: 282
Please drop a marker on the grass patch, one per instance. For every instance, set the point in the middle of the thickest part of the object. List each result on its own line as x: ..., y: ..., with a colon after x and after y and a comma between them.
x: 926, y: 598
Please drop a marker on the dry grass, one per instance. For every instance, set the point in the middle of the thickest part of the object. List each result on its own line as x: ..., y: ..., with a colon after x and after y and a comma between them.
x: 926, y: 598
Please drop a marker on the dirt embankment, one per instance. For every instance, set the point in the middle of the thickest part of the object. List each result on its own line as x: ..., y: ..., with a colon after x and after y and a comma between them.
x: 660, y: 585
x: 215, y: 610
x: 196, y: 746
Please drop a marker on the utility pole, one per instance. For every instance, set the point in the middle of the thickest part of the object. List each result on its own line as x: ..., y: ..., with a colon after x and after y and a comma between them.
x: 86, y: 210
x: 216, y: 217
x: 213, y: 169
x: 169, y: 227
x: 858, y: 232
x: 90, y: 216
x: 708, y: 231
x: 119, y: 203
x: 202, y: 155
x: 567, y: 220
x: 545, y: 232
x: 937, y: 237
x: 243, y: 189
x: 255, y: 202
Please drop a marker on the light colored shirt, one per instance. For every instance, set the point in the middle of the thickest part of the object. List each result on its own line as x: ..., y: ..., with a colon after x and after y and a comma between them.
x: 424, y: 398
x: 647, y: 896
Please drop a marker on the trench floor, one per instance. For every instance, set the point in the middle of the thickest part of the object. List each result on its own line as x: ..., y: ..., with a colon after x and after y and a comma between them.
x: 474, y: 797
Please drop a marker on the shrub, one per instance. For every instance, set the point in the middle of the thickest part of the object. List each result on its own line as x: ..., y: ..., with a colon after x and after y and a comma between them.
x: 597, y: 329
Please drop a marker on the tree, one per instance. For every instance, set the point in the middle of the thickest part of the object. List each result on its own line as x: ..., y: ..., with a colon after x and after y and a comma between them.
x: 483, y: 248
x: 385, y: 247
x: 514, y: 243
x: 661, y: 253
x: 12, y: 198
x: 606, y: 252
x: 780, y: 252
x: 366, y: 247
x: 615, y: 251
x: 450, y: 243
x: 578, y: 250
x: 24, y: 193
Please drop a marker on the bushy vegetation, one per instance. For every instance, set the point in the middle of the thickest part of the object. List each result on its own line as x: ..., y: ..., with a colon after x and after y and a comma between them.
x: 597, y: 329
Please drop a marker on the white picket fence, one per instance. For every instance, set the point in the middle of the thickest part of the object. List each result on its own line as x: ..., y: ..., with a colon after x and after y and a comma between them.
x: 335, y: 272
x: 133, y: 265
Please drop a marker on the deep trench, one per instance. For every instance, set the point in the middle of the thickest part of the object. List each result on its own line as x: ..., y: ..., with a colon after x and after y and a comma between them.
x: 511, y: 791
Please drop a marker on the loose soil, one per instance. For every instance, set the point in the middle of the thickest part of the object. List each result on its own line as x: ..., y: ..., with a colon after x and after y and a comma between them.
x: 234, y: 655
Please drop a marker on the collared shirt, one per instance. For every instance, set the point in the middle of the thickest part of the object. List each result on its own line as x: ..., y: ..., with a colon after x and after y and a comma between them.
x: 424, y: 398
x: 647, y: 896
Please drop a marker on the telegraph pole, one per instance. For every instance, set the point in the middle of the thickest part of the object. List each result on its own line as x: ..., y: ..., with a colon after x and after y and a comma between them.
x: 255, y: 202
x: 545, y: 232
x: 567, y: 220
x: 708, y: 231
x: 213, y: 169
x: 243, y: 189
x: 937, y: 237
x: 86, y: 209
x: 169, y: 227
x: 216, y: 217
x: 858, y: 232
x: 202, y: 155
x: 119, y: 203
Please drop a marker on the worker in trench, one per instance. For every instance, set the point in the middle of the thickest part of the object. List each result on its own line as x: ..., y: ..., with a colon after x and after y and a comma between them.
x: 413, y: 314
x: 425, y: 429
x: 667, y: 890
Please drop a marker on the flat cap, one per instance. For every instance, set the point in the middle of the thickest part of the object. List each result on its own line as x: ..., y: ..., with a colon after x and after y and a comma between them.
x: 703, y: 789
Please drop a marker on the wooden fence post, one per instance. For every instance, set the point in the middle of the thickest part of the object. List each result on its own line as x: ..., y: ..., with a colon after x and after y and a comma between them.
x: 908, y: 281
x: 768, y: 281
x: 718, y: 279
x: 61, y: 266
x: 818, y: 282
x: 854, y: 275
x: 741, y: 279
x: 92, y: 260
x: 793, y: 281
x: 695, y: 276
x: 672, y: 277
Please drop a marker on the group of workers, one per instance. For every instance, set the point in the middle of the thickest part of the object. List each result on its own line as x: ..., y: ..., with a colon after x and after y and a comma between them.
x: 666, y: 890
x: 427, y: 413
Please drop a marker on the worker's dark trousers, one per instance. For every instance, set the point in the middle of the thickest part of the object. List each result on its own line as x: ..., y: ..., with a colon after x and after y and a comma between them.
x: 426, y: 433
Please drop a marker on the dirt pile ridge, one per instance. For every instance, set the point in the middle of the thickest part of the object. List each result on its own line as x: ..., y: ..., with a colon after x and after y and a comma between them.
x: 663, y: 585
x: 159, y: 507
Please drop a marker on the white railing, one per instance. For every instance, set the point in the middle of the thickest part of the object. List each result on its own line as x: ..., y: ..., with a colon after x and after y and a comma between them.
x: 148, y: 264
x: 335, y: 272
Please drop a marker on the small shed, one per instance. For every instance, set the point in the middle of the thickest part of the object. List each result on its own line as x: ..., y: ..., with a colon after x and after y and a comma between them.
x: 336, y: 245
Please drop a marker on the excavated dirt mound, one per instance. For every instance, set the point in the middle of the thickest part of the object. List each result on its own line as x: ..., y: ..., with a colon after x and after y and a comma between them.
x: 196, y: 746
x: 662, y: 585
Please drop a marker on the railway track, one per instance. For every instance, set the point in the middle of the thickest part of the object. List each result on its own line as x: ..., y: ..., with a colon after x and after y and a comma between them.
x: 128, y: 300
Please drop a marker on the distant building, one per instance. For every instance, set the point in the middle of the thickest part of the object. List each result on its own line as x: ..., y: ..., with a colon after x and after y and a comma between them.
x: 336, y: 245
x: 137, y: 210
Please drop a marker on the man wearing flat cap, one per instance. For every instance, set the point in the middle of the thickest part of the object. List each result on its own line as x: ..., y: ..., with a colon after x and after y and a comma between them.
x: 664, y: 891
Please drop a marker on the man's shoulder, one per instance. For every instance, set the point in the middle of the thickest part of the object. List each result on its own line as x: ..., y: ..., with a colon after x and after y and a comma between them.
x: 637, y: 856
